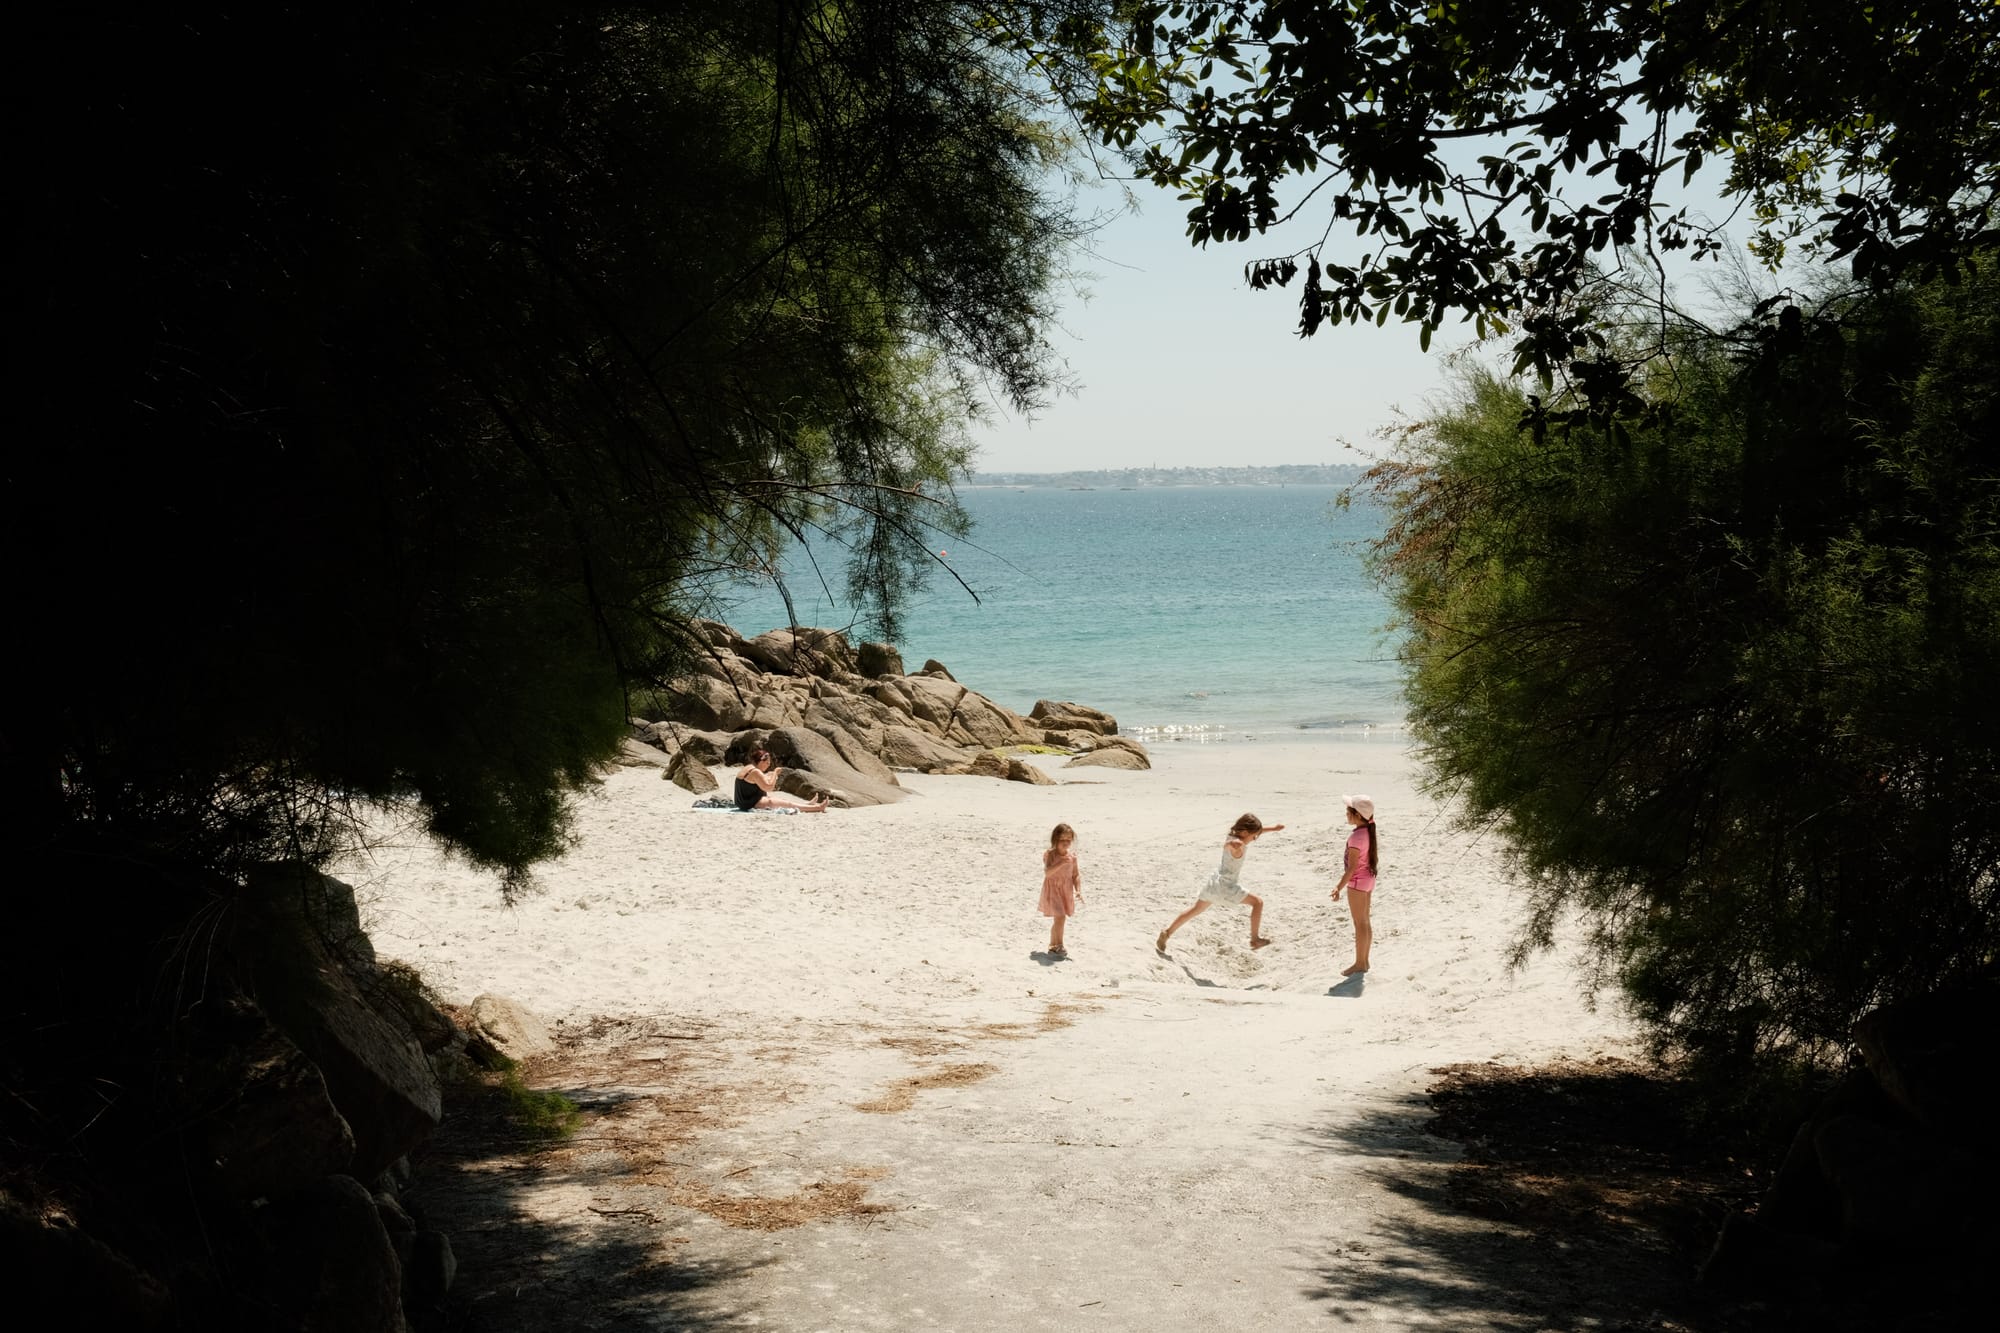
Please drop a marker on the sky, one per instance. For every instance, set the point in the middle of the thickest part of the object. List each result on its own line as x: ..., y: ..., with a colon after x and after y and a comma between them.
x: 1180, y: 364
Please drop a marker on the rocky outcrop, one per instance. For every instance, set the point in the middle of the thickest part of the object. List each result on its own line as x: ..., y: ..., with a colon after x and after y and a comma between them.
x: 1072, y: 717
x: 844, y: 721
x: 1111, y: 756
x: 815, y: 767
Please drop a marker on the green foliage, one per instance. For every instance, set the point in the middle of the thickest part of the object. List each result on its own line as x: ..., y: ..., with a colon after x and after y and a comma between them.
x: 1721, y: 674
x: 400, y: 378
x: 1485, y: 155
x: 540, y: 1113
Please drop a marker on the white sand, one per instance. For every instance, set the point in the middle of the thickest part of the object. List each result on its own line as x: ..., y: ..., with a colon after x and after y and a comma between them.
x: 1216, y: 1138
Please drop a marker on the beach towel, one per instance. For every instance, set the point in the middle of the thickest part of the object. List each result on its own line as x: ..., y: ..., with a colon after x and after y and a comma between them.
x: 724, y: 803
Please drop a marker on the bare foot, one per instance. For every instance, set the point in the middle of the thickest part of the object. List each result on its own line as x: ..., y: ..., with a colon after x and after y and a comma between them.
x: 1355, y: 970
x: 1258, y: 942
x: 1161, y: 943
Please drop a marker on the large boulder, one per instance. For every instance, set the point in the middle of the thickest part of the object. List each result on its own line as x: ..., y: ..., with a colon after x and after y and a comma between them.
x: 933, y: 667
x: 879, y: 659
x: 860, y: 716
x: 1065, y: 716
x: 961, y: 715
x: 514, y: 1032
x: 706, y: 746
x: 638, y: 754
x: 987, y: 764
x: 256, y: 1105
x: 1917, y: 1051
x: 894, y: 695
x: 1020, y: 770
x: 907, y: 747
x: 309, y: 979
x: 690, y: 772
x: 819, y: 769
x: 332, y: 1266
x: 800, y: 651
x: 1112, y: 756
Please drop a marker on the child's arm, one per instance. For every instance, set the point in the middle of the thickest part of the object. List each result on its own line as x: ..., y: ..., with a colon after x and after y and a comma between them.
x: 1353, y: 861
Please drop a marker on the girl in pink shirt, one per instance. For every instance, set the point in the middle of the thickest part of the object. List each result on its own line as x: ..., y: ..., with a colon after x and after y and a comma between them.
x: 1360, y: 877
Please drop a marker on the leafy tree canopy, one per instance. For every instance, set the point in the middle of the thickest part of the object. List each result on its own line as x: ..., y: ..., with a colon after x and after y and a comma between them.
x: 1486, y: 154
x: 397, y: 375
x: 1722, y: 672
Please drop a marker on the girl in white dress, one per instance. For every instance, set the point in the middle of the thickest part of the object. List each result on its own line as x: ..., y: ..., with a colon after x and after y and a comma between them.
x: 1223, y: 886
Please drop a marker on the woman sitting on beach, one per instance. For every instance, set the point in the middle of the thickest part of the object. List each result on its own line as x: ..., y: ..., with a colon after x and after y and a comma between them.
x: 757, y: 786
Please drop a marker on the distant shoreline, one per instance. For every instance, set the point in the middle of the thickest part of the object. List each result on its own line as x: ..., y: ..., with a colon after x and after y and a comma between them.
x: 1148, y: 478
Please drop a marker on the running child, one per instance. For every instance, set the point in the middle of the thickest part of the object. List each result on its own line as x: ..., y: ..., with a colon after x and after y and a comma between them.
x: 1222, y: 886
x: 1360, y: 877
x: 1062, y: 886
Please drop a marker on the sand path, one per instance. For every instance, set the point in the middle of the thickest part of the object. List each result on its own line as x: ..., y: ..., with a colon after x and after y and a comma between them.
x: 834, y: 1083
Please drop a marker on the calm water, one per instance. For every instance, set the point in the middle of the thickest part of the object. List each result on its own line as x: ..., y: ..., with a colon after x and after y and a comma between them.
x: 1221, y: 610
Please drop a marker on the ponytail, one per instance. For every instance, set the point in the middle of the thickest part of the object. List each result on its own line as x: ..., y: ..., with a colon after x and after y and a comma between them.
x: 1373, y: 838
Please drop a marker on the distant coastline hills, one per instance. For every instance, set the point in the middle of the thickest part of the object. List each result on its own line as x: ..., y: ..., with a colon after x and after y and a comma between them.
x: 1289, y: 474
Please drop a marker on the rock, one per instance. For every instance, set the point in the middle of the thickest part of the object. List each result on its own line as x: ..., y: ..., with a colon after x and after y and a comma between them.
x: 259, y: 1108
x: 707, y: 747
x: 1069, y: 740
x: 962, y: 715
x: 893, y: 695
x: 691, y: 773
x: 1066, y: 716
x: 292, y: 892
x: 638, y: 754
x: 717, y: 635
x: 1111, y: 757
x: 744, y: 744
x: 309, y: 979
x: 861, y: 717
x: 708, y: 704
x: 401, y: 1230
x: 73, y: 1278
x: 1019, y: 770
x: 800, y: 650
x: 1898, y: 1191
x: 1932, y: 1055
x: 514, y: 1032
x: 331, y: 1267
x: 1801, y: 1199
x: 879, y: 659
x: 817, y: 768
x: 933, y: 667
x: 428, y: 1276
x: 907, y: 747
x: 987, y: 764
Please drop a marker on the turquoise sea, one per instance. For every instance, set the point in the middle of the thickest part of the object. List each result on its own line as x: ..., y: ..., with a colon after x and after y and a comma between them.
x: 1217, y: 611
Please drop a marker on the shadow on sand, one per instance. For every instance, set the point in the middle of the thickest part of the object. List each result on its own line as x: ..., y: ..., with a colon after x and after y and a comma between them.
x: 1555, y: 1243
x: 610, y: 1269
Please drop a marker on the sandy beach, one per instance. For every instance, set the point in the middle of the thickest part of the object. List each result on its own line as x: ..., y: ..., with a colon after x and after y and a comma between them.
x: 832, y: 1080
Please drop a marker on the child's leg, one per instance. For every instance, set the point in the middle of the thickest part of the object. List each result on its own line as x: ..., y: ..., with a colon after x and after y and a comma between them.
x: 1200, y: 906
x: 1055, y: 933
x: 1257, y: 941
x: 1364, y: 934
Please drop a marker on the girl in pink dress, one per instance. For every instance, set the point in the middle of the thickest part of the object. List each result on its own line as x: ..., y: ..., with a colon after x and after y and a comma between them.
x: 1359, y: 876
x: 1062, y: 886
